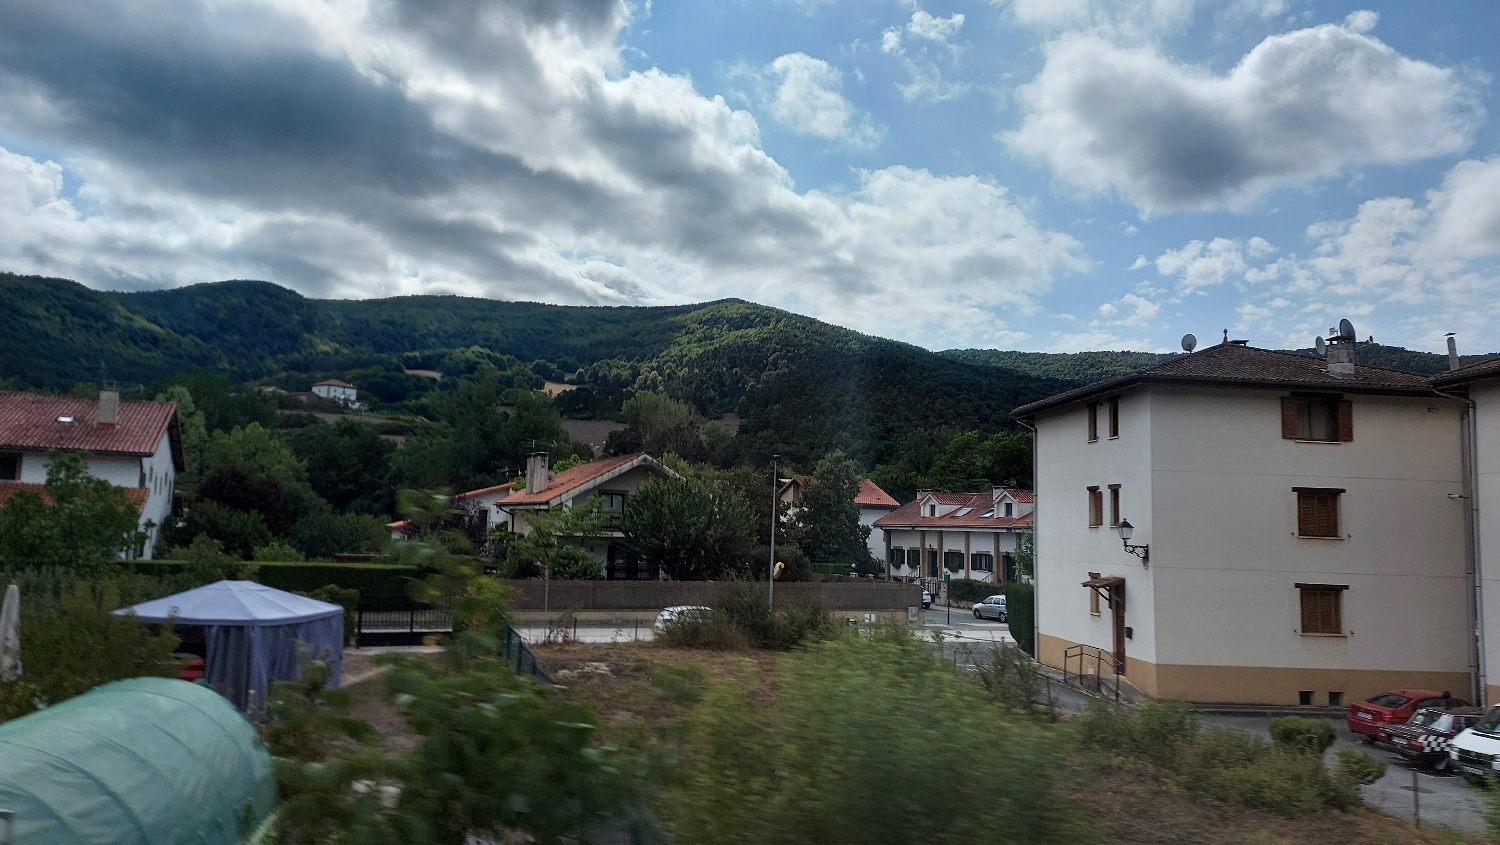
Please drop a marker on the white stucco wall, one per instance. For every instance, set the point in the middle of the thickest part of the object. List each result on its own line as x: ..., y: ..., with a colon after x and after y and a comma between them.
x: 1206, y: 479
x: 875, y: 543
x: 156, y: 473
x: 1486, y: 396
x: 980, y: 540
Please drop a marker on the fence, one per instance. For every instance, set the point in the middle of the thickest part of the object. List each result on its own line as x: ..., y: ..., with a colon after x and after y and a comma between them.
x: 1087, y: 657
x: 520, y: 657
x: 853, y: 594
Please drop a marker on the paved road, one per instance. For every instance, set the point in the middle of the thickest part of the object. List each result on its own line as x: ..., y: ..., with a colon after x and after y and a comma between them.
x: 1446, y: 799
x: 622, y: 632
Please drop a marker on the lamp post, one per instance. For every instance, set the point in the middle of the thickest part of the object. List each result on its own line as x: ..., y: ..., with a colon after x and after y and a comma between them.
x: 1142, y: 551
x: 775, y: 517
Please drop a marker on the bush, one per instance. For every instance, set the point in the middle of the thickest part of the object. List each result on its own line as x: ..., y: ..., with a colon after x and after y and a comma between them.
x: 970, y: 590
x: 832, y: 760
x: 1360, y: 767
x: 1158, y: 732
x: 746, y: 606
x: 1013, y: 679
x: 1308, y: 736
x: 1020, y: 606
x: 381, y: 586
x: 708, y: 630
x: 277, y: 551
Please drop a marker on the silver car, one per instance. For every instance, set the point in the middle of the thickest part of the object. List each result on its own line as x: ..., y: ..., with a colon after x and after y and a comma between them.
x: 991, y: 608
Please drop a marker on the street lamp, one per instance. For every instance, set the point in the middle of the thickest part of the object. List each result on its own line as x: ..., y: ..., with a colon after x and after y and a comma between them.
x: 1142, y: 551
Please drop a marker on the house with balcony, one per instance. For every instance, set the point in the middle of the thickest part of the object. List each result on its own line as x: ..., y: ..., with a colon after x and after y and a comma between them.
x: 965, y: 535
x: 1255, y: 526
x: 134, y: 445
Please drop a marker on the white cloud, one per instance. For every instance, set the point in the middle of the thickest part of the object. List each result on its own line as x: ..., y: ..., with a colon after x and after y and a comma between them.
x: 1128, y: 19
x: 890, y: 41
x: 924, y: 25
x: 1304, y: 104
x: 1363, y: 20
x: 808, y: 99
x: 1201, y: 265
x: 542, y: 171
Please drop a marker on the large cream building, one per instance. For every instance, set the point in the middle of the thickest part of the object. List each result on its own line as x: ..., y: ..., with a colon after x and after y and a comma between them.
x: 1299, y: 533
x: 1480, y: 384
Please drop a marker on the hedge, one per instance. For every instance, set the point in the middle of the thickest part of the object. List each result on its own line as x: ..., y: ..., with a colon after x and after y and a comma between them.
x: 970, y: 590
x: 382, y: 586
x: 1020, y: 606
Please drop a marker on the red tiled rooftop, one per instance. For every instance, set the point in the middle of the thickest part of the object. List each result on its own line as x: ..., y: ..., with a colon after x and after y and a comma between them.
x: 34, y: 421
x: 1023, y: 496
x: 910, y: 515
x: 333, y: 382
x: 579, y: 476
x: 1474, y: 372
x: 871, y: 496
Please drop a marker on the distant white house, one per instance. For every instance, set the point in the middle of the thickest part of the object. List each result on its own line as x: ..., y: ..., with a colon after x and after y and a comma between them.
x: 334, y: 390
x: 873, y: 504
x: 966, y: 535
x: 135, y: 445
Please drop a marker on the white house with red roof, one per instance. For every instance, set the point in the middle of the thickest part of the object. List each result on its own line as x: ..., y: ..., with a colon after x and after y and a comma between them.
x: 338, y: 391
x: 135, y: 445
x: 873, y: 504
x: 967, y: 535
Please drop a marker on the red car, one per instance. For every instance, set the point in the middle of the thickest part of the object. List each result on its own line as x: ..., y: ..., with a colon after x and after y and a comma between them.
x: 1372, y: 716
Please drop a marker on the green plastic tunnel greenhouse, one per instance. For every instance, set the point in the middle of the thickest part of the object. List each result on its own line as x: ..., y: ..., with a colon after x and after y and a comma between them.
x: 148, y: 761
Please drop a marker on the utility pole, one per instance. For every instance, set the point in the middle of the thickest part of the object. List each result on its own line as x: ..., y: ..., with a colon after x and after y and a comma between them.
x: 775, y: 517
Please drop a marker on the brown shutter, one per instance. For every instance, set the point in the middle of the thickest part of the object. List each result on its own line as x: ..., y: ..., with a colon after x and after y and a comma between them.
x: 1318, y: 513
x: 1288, y: 418
x: 1093, y: 421
x: 1346, y: 420
x: 1322, y: 612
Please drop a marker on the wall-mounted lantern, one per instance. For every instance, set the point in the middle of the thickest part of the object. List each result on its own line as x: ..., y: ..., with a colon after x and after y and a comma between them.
x: 1142, y: 551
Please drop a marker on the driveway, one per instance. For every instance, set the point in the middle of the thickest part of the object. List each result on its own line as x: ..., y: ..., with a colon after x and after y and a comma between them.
x: 1445, y: 799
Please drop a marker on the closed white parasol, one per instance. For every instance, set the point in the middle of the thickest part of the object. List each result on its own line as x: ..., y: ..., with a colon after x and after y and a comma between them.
x: 10, y: 634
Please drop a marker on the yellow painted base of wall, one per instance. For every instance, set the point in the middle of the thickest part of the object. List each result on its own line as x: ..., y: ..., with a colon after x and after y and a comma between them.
x: 1265, y: 684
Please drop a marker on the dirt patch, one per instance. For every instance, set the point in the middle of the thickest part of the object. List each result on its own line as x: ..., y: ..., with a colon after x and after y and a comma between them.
x: 1132, y: 807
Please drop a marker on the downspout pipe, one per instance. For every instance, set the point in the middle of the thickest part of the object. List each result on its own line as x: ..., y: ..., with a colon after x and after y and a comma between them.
x: 1036, y: 571
x: 1471, y: 529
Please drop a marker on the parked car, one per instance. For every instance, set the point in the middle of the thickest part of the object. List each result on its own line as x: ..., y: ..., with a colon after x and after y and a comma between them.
x: 991, y: 608
x: 1369, y: 718
x: 1475, y: 752
x: 1426, y: 737
x: 926, y: 599
x: 683, y: 612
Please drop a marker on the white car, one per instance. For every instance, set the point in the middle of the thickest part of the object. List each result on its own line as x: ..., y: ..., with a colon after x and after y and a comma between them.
x: 684, y: 612
x: 1476, y: 751
x: 926, y: 599
x: 991, y: 608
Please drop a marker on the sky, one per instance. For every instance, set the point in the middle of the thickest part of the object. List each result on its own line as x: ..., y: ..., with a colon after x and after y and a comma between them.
x: 1053, y: 175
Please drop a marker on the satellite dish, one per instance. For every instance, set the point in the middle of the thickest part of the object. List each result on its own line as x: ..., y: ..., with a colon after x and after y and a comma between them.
x: 1189, y: 343
x: 1346, y: 330
x: 1321, y: 345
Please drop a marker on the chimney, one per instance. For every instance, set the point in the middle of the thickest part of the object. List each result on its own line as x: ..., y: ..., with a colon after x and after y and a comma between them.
x: 1452, y: 352
x: 109, y: 406
x: 1340, y: 357
x: 537, y: 476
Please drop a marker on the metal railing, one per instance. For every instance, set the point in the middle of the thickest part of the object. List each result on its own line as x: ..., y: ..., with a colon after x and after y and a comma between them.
x: 1091, y: 657
x: 413, y: 621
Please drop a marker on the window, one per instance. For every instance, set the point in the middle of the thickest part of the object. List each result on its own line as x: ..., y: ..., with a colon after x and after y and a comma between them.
x: 1335, y: 699
x: 614, y: 505
x: 1114, y: 504
x: 897, y: 557
x: 932, y: 510
x: 982, y: 562
x: 1305, y: 697
x: 1327, y: 419
x: 1322, y: 608
x: 914, y: 558
x: 1317, y: 511
x: 1009, y: 509
x: 932, y: 563
x: 1093, y: 422
x: 1114, y: 417
x: 1093, y: 596
x: 953, y: 561
x: 10, y: 466
x: 1096, y: 507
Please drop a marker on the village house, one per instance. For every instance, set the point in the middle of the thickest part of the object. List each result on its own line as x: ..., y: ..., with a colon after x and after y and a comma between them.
x: 1253, y: 526
x: 873, y: 504
x: 1479, y: 384
x: 965, y: 535
x: 135, y: 445
x: 334, y: 390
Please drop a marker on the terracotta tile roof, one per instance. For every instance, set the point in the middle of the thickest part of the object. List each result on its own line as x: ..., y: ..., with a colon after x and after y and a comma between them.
x: 333, y: 382
x: 584, y: 475
x: 138, y: 495
x: 951, y: 498
x: 33, y: 421
x: 1023, y: 496
x: 1238, y: 365
x: 910, y: 515
x: 1473, y: 372
x: 871, y: 496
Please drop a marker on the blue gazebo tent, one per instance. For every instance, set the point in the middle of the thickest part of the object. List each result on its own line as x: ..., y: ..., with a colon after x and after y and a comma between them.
x: 251, y: 632
x: 148, y: 761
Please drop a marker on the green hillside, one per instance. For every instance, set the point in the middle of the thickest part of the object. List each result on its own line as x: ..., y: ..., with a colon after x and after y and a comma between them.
x: 1081, y: 367
x: 801, y: 387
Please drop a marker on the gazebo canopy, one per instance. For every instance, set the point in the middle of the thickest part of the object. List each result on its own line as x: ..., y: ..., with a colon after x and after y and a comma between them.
x: 243, y: 603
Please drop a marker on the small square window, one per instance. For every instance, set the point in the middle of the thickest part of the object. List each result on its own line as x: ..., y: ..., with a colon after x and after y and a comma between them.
x: 1322, y: 608
x: 1317, y: 511
x: 1305, y: 697
x: 1009, y: 509
x: 10, y: 466
x: 1335, y: 699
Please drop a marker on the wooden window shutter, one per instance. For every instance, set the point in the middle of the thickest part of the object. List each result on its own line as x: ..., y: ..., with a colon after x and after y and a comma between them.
x: 1288, y: 418
x: 1114, y: 416
x: 1318, y: 512
x: 1093, y: 421
x: 1096, y: 507
x: 1322, y: 609
x: 1346, y: 420
x: 1093, y: 596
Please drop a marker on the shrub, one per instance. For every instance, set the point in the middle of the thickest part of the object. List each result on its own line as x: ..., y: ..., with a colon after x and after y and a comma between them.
x: 970, y: 590
x: 1014, y: 680
x: 1021, y: 608
x: 1360, y: 767
x: 831, y: 761
x: 709, y: 630
x: 1308, y: 736
x: 277, y: 551
x: 1158, y: 732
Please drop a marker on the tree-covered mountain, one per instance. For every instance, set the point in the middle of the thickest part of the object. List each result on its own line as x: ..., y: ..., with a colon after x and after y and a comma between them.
x: 1080, y: 367
x: 801, y: 387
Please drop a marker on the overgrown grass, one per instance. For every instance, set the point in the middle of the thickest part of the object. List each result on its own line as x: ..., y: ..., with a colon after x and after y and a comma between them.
x: 742, y: 616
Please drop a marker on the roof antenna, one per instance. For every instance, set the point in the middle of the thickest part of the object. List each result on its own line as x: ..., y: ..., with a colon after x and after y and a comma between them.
x: 1226, y: 336
x: 1189, y: 343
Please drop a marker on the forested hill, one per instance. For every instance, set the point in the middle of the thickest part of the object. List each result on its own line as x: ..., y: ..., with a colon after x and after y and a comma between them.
x: 800, y: 386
